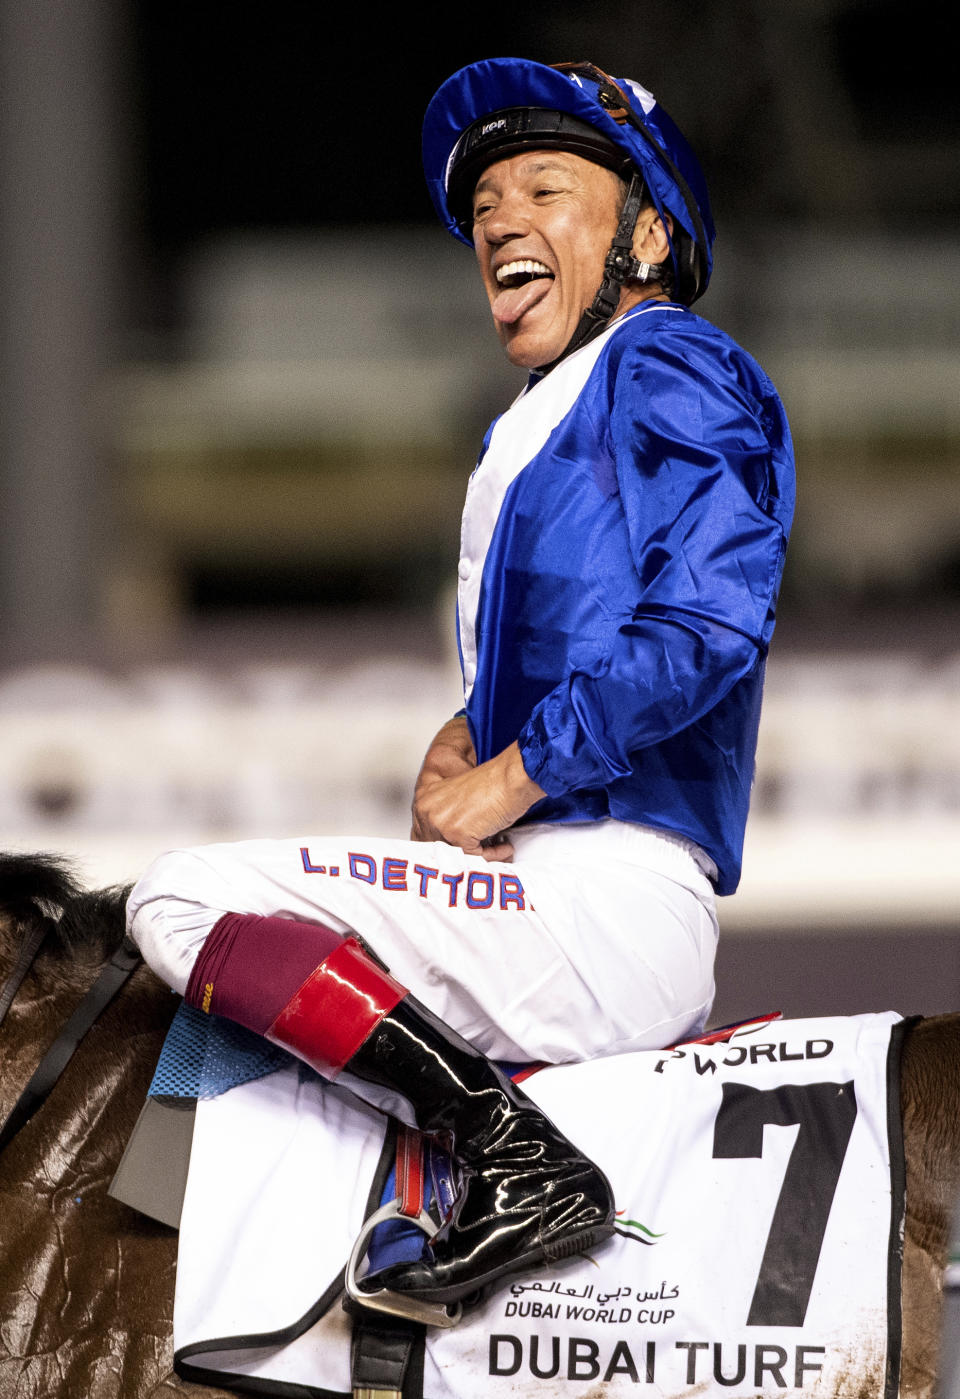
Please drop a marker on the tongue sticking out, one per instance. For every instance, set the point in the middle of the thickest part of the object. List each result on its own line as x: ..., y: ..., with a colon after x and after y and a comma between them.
x: 511, y: 304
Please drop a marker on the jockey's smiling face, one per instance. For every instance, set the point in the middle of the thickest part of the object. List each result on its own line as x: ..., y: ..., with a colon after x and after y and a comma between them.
x: 543, y: 223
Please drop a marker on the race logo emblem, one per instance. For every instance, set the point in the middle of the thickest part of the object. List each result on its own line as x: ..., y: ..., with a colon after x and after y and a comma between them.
x: 636, y: 1232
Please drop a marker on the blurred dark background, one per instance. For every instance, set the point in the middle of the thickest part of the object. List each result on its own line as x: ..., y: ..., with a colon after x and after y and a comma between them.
x: 162, y: 160
x: 243, y: 376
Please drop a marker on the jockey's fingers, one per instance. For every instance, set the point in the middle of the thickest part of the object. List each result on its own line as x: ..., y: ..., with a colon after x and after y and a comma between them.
x: 496, y: 847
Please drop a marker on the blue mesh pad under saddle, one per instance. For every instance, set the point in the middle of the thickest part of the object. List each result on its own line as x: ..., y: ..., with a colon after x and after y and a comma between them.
x: 204, y: 1055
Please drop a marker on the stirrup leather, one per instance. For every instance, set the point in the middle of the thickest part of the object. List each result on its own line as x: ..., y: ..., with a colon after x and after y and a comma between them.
x: 408, y: 1205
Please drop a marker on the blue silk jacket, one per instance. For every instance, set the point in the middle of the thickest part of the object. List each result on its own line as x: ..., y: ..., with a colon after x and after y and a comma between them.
x: 622, y: 546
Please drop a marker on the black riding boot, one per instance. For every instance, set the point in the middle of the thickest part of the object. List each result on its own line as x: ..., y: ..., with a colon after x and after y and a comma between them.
x: 528, y: 1198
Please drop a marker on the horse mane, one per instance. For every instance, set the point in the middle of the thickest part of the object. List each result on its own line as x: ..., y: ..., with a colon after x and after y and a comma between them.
x: 43, y: 888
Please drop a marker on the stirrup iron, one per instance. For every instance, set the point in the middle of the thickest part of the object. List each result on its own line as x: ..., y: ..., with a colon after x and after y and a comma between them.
x: 395, y: 1303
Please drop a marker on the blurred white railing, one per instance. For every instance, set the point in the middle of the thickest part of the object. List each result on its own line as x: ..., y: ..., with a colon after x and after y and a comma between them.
x: 872, y: 736
x: 259, y: 752
x: 856, y: 812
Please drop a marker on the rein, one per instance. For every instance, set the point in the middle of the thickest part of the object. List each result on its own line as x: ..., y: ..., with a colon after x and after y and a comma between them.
x: 28, y: 955
x: 112, y: 977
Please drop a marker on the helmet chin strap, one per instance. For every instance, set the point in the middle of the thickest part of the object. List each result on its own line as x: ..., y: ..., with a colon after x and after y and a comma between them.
x: 619, y: 268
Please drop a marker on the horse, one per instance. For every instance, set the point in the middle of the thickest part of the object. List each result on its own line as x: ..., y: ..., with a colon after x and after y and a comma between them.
x: 86, y: 1288
x: 86, y: 1283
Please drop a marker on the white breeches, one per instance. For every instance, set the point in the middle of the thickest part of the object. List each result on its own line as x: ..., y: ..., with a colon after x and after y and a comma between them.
x: 596, y: 939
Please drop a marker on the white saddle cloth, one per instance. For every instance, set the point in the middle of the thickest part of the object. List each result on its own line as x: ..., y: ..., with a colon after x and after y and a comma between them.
x: 759, y: 1190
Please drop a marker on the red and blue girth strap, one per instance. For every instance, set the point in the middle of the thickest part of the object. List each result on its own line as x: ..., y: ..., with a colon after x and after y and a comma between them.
x: 411, y: 1177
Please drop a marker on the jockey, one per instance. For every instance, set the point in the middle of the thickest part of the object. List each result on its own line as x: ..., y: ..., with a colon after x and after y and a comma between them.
x: 622, y: 545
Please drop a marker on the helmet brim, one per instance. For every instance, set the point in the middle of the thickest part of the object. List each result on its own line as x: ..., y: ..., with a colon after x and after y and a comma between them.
x: 499, y: 135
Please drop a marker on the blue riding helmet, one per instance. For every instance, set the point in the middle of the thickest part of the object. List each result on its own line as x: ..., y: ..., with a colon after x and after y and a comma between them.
x: 500, y: 106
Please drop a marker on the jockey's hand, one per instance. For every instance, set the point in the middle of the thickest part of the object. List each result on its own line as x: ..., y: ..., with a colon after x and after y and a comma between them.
x: 450, y: 755
x: 469, y: 805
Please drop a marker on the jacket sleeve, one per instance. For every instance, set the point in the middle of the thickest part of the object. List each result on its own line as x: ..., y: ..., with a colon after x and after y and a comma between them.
x: 704, y: 470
